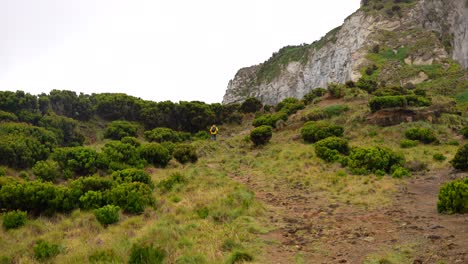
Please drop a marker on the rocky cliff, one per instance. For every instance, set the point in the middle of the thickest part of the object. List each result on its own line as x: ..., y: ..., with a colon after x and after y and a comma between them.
x: 430, y: 31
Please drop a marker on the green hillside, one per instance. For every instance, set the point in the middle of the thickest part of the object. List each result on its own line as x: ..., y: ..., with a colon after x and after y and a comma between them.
x: 182, y: 198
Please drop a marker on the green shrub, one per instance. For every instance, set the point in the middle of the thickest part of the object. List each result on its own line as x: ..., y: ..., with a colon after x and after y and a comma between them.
x: 330, y: 149
x: 132, y: 197
x: 143, y: 254
x: 460, y: 161
x: 367, y: 84
x: 163, y: 134
x: 24, y: 175
x: 314, y: 131
x: 118, y: 155
x: 251, y: 105
x: 290, y: 106
x: 155, y: 154
x: 91, y: 200
x: 382, y: 102
x: 439, y: 157
x: 184, y: 153
x: 269, y: 119
x: 422, y: 134
x: 336, y: 90
x: 464, y: 132
x: 44, y: 250
x: 202, y: 135
x: 14, y: 219
x: 239, y: 257
x: 64, y: 128
x: 3, y: 171
x: 131, y: 140
x: 94, y: 183
x: 7, y: 117
x: 173, y: 180
x: 408, y: 143
x: 76, y: 160
x: 372, y: 159
x: 119, y: 129
x: 107, y: 215
x: 315, y: 93
x: 453, y: 197
x: 261, y: 135
x: 37, y: 197
x: 399, y: 172
x: 47, y: 170
x: 132, y: 175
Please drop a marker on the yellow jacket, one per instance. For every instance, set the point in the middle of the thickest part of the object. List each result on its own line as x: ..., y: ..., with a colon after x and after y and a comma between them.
x: 213, y: 131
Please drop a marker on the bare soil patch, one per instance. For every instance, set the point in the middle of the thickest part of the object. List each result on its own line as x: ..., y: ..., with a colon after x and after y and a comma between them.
x: 309, y: 228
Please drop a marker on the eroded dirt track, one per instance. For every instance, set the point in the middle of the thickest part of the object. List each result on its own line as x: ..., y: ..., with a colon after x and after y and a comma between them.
x: 311, y: 229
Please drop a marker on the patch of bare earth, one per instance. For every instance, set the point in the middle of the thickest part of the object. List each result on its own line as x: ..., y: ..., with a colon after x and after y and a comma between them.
x: 316, y: 230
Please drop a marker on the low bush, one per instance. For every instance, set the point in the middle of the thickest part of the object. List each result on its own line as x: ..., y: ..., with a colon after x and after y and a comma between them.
x: 76, y: 160
x: 14, y: 219
x: 330, y: 149
x: 269, y: 119
x: 382, y: 102
x: 315, y: 93
x: 367, y: 85
x: 173, y: 180
x: 131, y: 141
x: 261, y: 135
x: 118, y: 155
x: 132, y: 197
x: 337, y: 90
x: 37, y: 197
x: 44, y: 250
x: 408, y: 143
x: 422, y: 134
x: 107, y: 215
x: 464, y: 132
x: 3, y: 171
x: 239, y: 257
x: 163, y: 134
x: 47, y: 170
x: 453, y: 197
x: 119, y: 129
x: 155, y: 154
x: 132, y: 175
x: 290, y: 106
x: 460, y: 161
x: 251, y: 105
x: 146, y: 254
x: 7, y: 117
x: 202, y: 135
x: 314, y: 131
x: 399, y: 172
x: 439, y: 157
x: 373, y: 159
x: 184, y: 153
x: 92, y: 200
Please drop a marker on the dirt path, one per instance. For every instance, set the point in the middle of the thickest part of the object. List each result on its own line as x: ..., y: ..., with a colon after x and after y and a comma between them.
x: 311, y: 229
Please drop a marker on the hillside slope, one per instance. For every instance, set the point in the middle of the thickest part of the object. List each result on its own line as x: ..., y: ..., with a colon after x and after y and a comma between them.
x: 440, y: 26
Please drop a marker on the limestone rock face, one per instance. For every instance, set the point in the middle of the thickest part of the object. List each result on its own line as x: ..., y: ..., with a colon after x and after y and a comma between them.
x: 341, y: 56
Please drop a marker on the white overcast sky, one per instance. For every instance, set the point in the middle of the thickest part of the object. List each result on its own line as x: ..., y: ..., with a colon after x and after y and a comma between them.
x: 153, y: 49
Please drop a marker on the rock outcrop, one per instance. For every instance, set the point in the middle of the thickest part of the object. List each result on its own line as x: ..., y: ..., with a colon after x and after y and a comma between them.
x: 341, y: 54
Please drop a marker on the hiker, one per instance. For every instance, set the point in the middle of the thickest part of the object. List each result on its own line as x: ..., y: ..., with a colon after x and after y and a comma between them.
x: 213, y: 132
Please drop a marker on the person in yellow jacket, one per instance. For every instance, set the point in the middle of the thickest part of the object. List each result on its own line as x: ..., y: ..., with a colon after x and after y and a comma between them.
x: 213, y: 131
